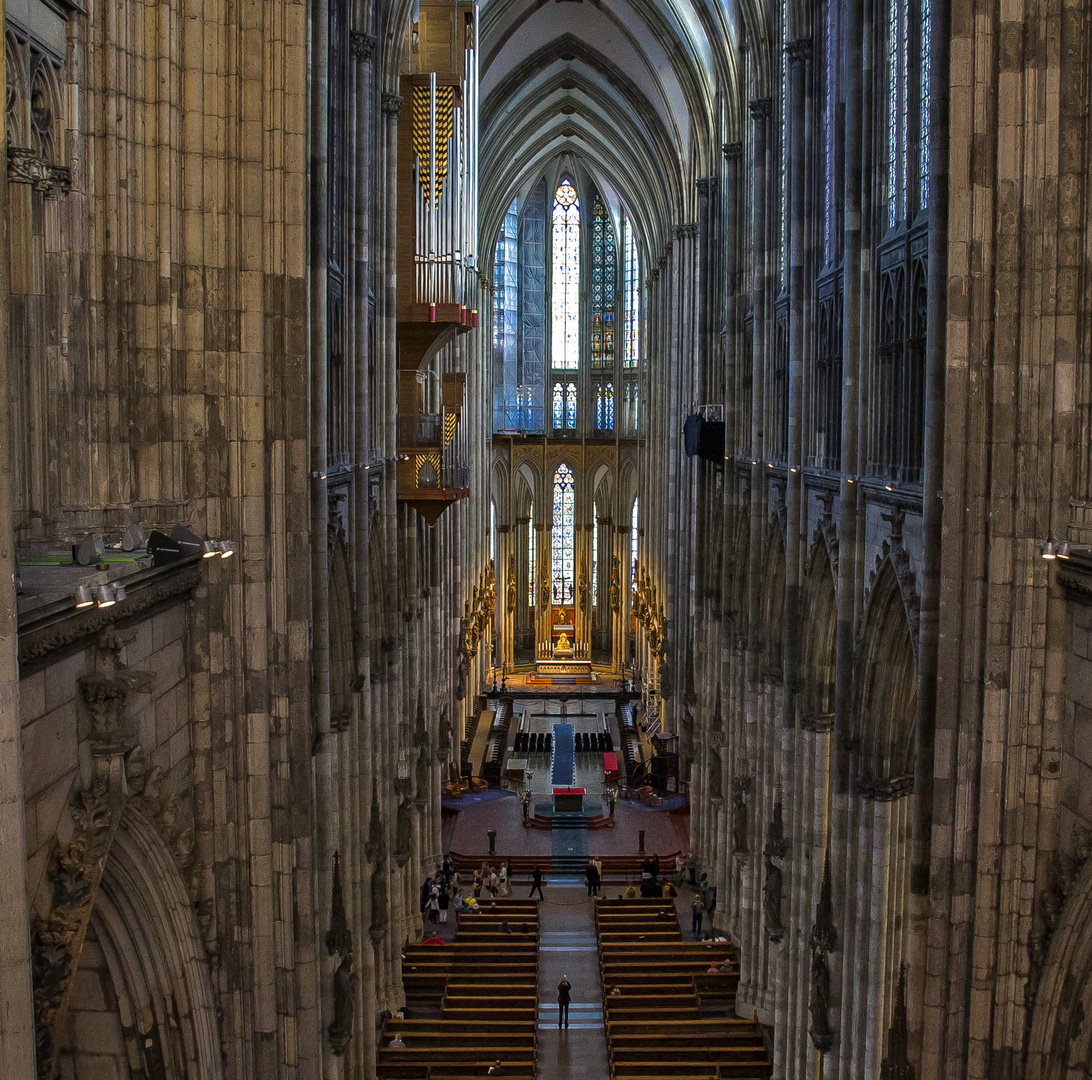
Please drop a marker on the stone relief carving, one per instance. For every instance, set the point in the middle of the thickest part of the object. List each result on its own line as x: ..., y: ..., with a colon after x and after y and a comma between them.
x: 74, y: 873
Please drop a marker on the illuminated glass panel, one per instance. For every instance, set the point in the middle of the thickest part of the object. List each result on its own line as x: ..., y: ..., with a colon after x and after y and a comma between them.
x: 604, y: 406
x: 603, y: 283
x: 505, y: 288
x: 632, y: 298
x: 564, y: 544
x: 926, y: 43
x: 565, y: 288
x: 565, y: 406
x: 897, y: 58
x: 633, y: 544
x: 828, y: 134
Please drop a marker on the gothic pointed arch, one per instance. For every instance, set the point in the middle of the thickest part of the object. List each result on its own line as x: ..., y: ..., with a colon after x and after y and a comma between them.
x: 147, y: 956
x: 740, y: 583
x: 773, y: 600
x: 1060, y: 1040
x: 820, y: 631
x: 888, y: 692
x: 343, y: 664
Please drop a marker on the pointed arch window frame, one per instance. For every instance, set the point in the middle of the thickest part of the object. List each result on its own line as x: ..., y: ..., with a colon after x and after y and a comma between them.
x: 563, y: 537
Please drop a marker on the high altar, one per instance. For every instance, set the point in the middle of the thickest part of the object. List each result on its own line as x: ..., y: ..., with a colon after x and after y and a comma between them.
x: 563, y: 659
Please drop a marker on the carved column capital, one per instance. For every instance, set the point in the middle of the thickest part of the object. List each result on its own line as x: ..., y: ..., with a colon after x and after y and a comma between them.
x: 733, y: 151
x: 362, y: 46
x: 760, y: 108
x: 798, y: 51
x: 392, y: 104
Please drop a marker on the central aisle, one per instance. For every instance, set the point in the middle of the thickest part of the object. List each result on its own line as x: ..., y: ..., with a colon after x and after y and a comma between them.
x: 567, y: 947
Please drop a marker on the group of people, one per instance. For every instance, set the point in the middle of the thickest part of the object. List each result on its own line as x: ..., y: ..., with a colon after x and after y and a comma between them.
x: 443, y: 890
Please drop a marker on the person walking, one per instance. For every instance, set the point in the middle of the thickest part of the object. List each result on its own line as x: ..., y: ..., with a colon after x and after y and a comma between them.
x: 698, y: 911
x: 434, y: 905
x: 680, y: 866
x: 445, y: 903
x: 477, y: 886
x: 494, y: 885
x: 536, y: 883
x: 564, y: 996
x: 503, y: 875
x: 589, y: 877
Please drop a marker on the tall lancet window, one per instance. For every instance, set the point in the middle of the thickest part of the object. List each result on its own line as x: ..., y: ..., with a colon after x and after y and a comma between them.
x: 897, y: 41
x: 633, y: 544
x: 565, y: 288
x: 505, y: 315
x: 604, y: 282
x: 829, y: 60
x: 926, y: 45
x: 562, y: 538
x: 632, y: 299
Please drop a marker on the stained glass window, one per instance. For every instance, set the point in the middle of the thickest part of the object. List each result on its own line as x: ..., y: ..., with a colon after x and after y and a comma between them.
x: 505, y: 315
x: 604, y: 406
x: 564, y: 406
x: 926, y: 44
x: 828, y: 133
x: 564, y: 544
x: 633, y: 544
x: 897, y: 38
x: 632, y: 298
x: 565, y: 291
x: 604, y: 280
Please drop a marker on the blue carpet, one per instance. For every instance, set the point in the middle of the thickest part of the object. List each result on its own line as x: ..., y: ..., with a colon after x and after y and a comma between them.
x: 564, y: 756
x: 464, y: 801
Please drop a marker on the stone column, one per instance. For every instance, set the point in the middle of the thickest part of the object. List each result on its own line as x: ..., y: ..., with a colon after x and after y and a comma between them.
x: 16, y: 993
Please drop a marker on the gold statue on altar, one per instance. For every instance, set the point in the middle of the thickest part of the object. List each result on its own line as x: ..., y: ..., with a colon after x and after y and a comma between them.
x: 563, y: 648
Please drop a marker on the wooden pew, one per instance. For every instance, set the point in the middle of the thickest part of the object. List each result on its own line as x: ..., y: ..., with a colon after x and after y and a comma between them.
x: 655, y: 1024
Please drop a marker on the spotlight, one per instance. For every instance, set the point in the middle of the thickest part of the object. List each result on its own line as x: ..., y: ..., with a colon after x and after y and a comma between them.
x: 84, y: 597
x: 227, y: 549
x: 1050, y: 551
x: 89, y: 550
x: 1063, y: 549
x: 210, y: 549
x: 119, y: 592
x: 104, y: 594
x: 133, y: 538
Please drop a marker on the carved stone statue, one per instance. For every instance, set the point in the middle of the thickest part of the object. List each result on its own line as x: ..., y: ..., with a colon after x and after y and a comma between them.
x: 771, y: 900
x: 341, y: 1027
x: 822, y: 1037
x: 739, y: 818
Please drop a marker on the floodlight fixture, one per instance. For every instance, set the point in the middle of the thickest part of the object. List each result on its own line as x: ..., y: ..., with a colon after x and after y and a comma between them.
x: 89, y: 550
x: 119, y: 592
x: 133, y: 537
x: 84, y: 599
x: 104, y: 594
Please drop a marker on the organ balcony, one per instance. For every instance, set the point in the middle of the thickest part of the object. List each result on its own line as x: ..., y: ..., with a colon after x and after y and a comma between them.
x: 431, y: 475
x: 437, y: 182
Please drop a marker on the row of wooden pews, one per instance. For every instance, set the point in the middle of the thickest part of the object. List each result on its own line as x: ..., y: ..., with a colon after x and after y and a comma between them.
x: 470, y: 1003
x: 666, y: 1013
x: 614, y: 866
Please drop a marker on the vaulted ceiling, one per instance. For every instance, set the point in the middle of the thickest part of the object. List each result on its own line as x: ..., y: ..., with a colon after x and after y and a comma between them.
x: 641, y: 93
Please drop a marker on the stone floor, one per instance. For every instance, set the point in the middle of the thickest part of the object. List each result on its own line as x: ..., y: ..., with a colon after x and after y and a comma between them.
x: 466, y: 832
x: 567, y: 947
